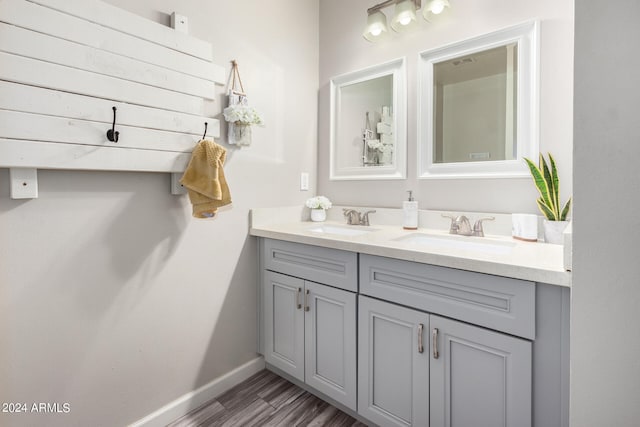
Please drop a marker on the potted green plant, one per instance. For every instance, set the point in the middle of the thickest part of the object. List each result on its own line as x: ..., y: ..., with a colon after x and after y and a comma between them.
x: 318, y: 206
x: 545, y: 177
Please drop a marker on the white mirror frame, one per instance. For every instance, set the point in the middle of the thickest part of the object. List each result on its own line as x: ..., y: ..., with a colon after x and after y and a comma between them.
x: 398, y: 168
x: 526, y: 36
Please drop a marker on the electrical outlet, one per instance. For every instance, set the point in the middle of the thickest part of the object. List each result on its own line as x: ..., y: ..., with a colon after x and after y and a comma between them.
x: 304, y: 181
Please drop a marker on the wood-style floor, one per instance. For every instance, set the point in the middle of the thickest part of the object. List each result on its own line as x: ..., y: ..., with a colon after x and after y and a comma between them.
x: 266, y: 399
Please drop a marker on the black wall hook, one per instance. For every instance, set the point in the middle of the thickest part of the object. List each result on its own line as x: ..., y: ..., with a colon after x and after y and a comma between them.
x: 205, y: 130
x: 112, y: 135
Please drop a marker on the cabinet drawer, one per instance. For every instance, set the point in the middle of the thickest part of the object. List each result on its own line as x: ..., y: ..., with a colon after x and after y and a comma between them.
x: 323, y: 265
x: 495, y: 302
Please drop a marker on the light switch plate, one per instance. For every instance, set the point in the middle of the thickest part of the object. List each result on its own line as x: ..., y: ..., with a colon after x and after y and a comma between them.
x: 304, y: 181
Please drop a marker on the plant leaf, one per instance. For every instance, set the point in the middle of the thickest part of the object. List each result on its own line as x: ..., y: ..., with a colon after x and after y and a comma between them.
x: 546, y: 210
x: 556, y: 185
x: 565, y: 211
x: 541, y: 185
x: 551, y: 202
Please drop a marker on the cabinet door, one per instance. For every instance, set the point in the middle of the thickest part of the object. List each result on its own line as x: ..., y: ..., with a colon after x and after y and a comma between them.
x: 479, y: 378
x: 393, y: 367
x: 330, y: 342
x: 284, y: 323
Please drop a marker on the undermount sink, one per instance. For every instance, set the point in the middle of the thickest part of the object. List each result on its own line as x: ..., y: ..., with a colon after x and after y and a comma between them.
x: 476, y: 244
x: 338, y: 230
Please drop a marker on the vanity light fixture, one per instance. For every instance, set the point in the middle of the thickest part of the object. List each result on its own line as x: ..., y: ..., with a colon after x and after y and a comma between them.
x: 404, y: 16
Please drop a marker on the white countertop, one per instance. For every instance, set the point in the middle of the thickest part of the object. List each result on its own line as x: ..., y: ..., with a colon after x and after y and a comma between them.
x: 538, y: 262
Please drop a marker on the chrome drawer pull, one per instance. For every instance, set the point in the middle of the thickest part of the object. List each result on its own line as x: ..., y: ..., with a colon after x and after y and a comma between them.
x: 298, y: 298
x: 306, y: 300
x: 434, y: 336
x: 420, y: 346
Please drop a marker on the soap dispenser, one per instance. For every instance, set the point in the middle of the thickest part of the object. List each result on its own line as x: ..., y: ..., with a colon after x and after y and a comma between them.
x: 410, y: 210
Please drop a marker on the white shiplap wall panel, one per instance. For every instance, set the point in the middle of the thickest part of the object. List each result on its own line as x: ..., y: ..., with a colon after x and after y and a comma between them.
x: 37, y: 127
x: 32, y: 99
x: 111, y: 17
x: 16, y: 40
x: 64, y: 64
x: 29, y: 71
x: 42, y: 19
x: 43, y: 155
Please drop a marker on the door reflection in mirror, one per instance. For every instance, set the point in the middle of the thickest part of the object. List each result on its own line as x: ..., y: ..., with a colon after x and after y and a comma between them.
x: 475, y: 106
x: 367, y: 123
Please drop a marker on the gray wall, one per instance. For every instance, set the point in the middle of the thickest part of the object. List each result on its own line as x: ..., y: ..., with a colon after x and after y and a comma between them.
x: 605, y: 340
x: 343, y: 49
x: 112, y: 297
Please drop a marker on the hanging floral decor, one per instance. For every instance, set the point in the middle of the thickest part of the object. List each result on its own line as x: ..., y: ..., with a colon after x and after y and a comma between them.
x: 239, y: 114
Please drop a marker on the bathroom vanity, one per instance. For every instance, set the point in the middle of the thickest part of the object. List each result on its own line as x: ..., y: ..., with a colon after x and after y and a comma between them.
x: 404, y: 331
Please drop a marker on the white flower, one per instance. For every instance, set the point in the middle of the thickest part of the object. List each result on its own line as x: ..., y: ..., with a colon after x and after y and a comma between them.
x: 386, y: 149
x: 374, y: 144
x: 318, y: 202
x: 242, y: 113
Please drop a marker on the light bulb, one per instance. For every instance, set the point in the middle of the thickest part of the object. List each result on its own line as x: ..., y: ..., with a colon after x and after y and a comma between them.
x: 404, y: 15
x: 376, y: 26
x: 437, y: 7
x: 434, y: 7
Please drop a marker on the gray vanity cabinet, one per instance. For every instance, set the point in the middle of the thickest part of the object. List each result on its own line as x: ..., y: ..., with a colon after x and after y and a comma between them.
x: 434, y: 346
x: 393, y: 364
x: 284, y: 327
x: 417, y: 369
x: 421, y: 368
x: 478, y: 377
x: 310, y: 328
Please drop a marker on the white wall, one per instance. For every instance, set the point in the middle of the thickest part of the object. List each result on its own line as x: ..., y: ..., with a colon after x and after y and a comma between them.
x: 605, y: 334
x: 343, y: 49
x: 112, y: 297
x: 474, y: 118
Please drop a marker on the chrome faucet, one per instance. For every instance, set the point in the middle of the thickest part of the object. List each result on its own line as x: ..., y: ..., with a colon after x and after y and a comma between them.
x: 477, y: 227
x: 460, y: 225
x: 356, y: 218
x: 352, y: 215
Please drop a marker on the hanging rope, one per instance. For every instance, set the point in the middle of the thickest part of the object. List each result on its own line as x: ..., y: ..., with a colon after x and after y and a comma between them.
x: 236, y: 73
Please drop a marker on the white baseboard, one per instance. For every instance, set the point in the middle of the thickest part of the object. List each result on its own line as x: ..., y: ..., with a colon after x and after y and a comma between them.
x: 182, y: 405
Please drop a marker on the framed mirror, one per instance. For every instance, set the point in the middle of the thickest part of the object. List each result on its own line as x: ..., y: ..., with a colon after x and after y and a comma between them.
x: 478, y: 106
x: 368, y: 123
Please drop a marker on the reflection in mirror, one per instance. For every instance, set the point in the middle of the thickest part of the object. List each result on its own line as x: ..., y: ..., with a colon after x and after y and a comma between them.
x: 475, y: 106
x: 368, y: 123
x: 478, y: 106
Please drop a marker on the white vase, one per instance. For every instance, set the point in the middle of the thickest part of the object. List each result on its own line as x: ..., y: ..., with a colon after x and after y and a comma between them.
x: 318, y: 215
x: 553, y: 231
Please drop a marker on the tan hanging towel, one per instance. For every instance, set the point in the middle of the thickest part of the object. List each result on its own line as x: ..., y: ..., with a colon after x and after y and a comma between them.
x: 204, y: 179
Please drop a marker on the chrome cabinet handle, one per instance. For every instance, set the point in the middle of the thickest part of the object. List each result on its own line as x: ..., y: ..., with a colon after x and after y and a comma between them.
x: 420, y: 346
x: 306, y: 300
x: 434, y: 337
x: 298, y: 298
